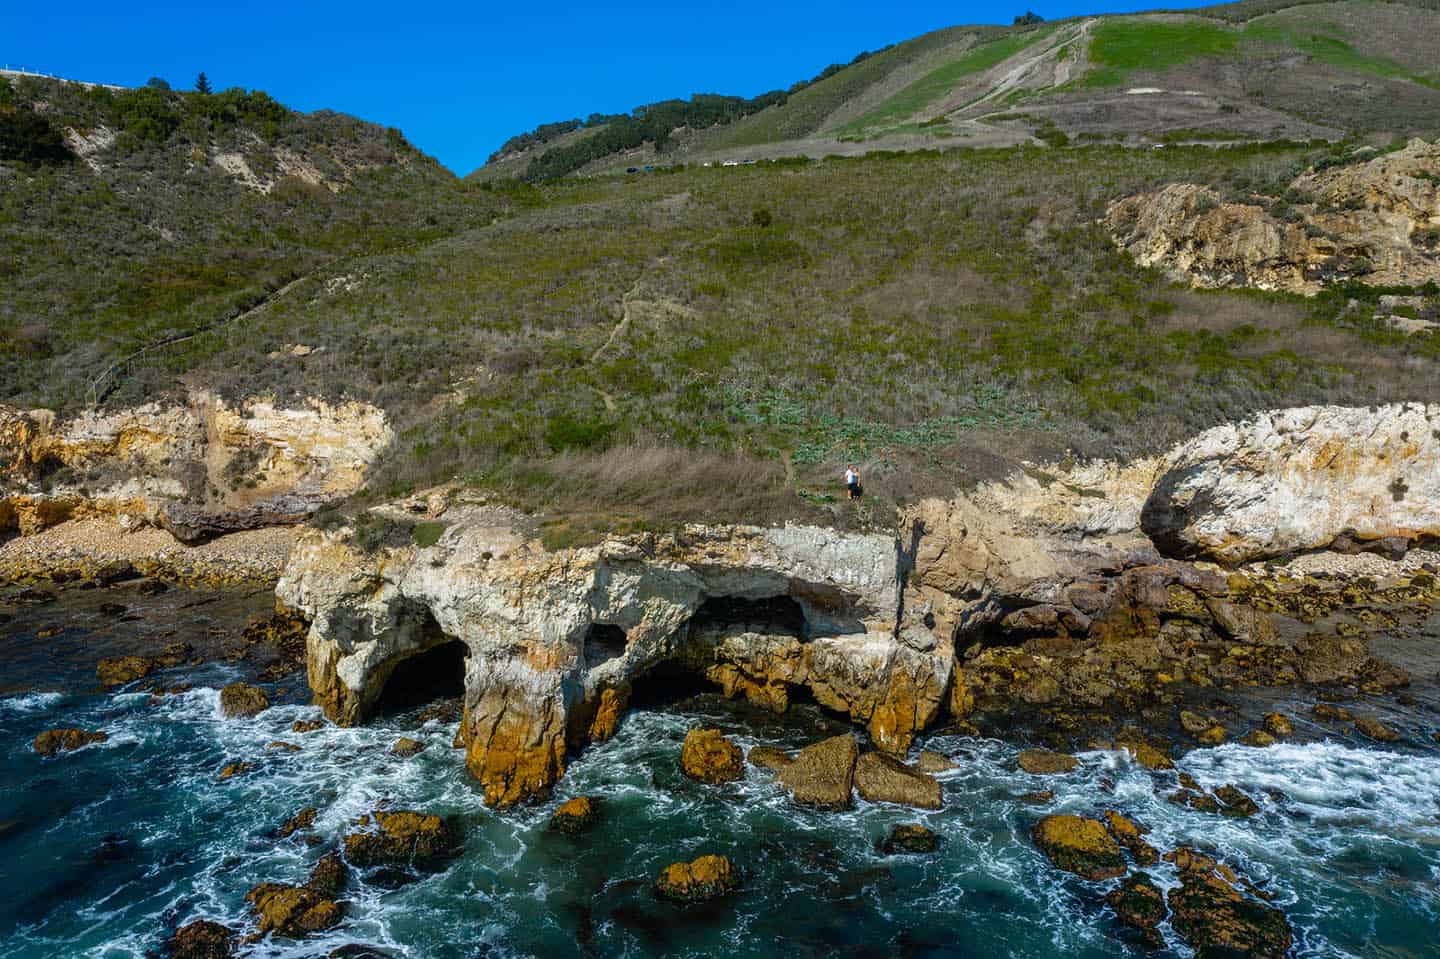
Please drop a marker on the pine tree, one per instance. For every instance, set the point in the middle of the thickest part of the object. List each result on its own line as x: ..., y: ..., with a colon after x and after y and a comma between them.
x: 202, y: 83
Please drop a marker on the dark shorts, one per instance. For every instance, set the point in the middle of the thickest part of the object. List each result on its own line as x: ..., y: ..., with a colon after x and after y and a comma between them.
x: 854, y: 489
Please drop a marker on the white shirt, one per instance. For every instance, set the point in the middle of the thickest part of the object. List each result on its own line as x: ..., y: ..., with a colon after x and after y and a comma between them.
x: 850, y: 477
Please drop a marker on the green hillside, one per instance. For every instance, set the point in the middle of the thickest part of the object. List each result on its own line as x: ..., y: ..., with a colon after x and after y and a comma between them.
x: 1257, y: 70
x: 710, y: 341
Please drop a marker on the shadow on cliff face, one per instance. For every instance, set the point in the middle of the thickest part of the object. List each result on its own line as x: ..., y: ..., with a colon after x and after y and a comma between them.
x: 436, y: 673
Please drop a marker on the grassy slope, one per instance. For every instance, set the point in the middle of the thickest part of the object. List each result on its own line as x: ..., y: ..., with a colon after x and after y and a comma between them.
x: 161, y: 242
x: 924, y: 313
x: 940, y: 81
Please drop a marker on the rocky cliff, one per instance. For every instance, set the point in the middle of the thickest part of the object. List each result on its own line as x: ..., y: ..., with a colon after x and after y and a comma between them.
x: 1375, y: 221
x: 197, y: 469
x: 1043, y: 591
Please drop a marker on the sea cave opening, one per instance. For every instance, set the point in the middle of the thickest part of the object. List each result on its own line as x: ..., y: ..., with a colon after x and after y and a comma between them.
x: 435, y: 673
x: 771, y: 615
x: 603, y: 642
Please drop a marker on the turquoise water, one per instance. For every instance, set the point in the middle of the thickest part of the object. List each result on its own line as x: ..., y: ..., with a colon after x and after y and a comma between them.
x: 108, y: 848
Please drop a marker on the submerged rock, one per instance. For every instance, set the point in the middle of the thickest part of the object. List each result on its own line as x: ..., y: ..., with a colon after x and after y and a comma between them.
x: 1079, y: 845
x: 823, y: 774
x: 574, y: 816
x: 769, y: 757
x: 909, y: 837
x: 709, y: 757
x: 241, y: 701
x: 402, y: 838
x: 202, y: 939
x: 303, y: 819
x: 1332, y: 713
x: 882, y: 778
x: 1044, y: 762
x: 705, y: 878
x: 1376, y: 730
x: 54, y: 741
x: 1140, y: 905
x: 232, y: 770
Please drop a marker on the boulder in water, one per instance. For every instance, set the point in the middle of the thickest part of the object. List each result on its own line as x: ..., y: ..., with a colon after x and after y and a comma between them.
x: 769, y: 757
x: 1149, y: 756
x: 307, y: 725
x: 909, y: 837
x: 405, y: 747
x: 1258, y: 738
x: 823, y: 774
x: 292, y: 912
x: 1140, y: 905
x: 1131, y: 836
x: 232, y: 770
x: 1045, y: 762
x: 1332, y: 713
x: 329, y: 877
x: 402, y: 838
x: 933, y: 762
x: 202, y: 939
x: 1235, y: 803
x: 1079, y: 845
x: 241, y: 700
x: 53, y: 741
x: 708, y: 877
x: 709, y: 757
x: 882, y: 778
x: 303, y: 819
x: 574, y: 816
x: 1216, y: 919
x: 1278, y: 724
x: 123, y: 669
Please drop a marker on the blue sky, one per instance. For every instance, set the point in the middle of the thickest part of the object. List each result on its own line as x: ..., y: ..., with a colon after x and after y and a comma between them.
x: 459, y: 78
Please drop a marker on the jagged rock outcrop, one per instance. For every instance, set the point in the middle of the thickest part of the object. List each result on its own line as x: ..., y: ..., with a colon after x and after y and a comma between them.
x: 1376, y: 221
x: 1301, y: 479
x: 551, y: 637
x: 1040, y: 592
x: 198, y: 469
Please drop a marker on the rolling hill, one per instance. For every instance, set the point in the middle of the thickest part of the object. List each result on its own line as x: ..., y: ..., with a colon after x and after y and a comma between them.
x: 1240, y: 72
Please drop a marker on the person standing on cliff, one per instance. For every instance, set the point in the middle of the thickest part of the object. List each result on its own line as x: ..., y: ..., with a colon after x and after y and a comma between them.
x: 852, y: 481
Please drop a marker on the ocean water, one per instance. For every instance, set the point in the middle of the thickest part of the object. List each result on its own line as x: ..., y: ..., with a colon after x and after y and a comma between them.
x: 105, y: 850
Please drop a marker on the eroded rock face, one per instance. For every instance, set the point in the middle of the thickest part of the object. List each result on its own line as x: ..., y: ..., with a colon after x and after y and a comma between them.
x: 882, y: 778
x: 198, y: 469
x: 1371, y: 221
x: 823, y: 775
x: 1300, y: 479
x: 1042, y: 592
x: 556, y: 640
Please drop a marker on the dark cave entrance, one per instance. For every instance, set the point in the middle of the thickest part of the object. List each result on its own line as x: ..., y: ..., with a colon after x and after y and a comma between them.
x: 773, y: 615
x: 675, y: 680
x: 435, y: 673
x: 603, y: 642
